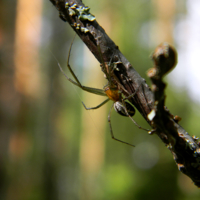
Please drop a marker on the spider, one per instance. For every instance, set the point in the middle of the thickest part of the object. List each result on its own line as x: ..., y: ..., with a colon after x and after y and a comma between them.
x: 111, y: 90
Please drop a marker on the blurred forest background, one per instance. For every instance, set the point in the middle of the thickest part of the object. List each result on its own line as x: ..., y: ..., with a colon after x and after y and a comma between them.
x: 51, y: 148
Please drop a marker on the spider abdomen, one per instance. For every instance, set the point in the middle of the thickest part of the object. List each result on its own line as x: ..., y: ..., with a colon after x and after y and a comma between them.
x: 120, y: 109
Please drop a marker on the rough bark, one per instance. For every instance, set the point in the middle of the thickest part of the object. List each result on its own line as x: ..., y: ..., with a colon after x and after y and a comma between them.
x: 150, y: 103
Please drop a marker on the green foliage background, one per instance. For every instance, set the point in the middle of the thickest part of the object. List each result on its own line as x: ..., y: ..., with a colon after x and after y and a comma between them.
x: 50, y: 164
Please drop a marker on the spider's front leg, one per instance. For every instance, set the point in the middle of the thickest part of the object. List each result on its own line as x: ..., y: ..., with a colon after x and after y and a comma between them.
x: 77, y: 82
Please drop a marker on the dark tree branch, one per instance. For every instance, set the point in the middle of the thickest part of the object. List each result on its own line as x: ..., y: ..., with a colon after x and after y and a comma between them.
x: 185, y: 149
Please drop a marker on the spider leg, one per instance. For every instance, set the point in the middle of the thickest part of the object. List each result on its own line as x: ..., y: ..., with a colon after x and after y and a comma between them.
x: 87, y: 89
x: 132, y: 118
x: 123, y: 100
x: 111, y: 131
x: 77, y: 82
x: 68, y: 65
x: 103, y: 63
x: 137, y: 123
x: 132, y: 95
x: 91, y: 108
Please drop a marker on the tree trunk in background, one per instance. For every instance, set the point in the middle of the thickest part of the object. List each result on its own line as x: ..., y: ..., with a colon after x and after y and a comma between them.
x: 26, y: 83
x: 162, y: 30
x: 92, y: 137
x: 7, y: 97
